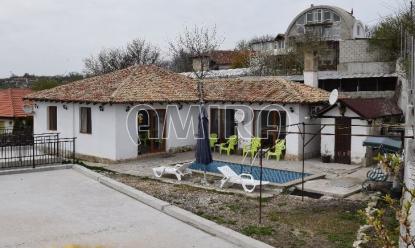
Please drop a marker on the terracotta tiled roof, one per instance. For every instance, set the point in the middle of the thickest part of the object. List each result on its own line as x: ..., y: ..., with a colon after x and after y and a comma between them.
x: 266, y: 90
x: 372, y: 108
x: 140, y: 84
x: 223, y: 57
x: 11, y: 102
x: 134, y: 84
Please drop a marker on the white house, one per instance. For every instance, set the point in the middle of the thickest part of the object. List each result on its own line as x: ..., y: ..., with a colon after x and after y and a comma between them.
x: 347, y: 122
x: 146, y: 109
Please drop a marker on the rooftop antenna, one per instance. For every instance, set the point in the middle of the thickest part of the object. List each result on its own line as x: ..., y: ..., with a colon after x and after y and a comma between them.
x: 334, y: 96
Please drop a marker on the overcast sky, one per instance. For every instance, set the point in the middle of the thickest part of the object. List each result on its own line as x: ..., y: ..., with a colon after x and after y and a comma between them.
x: 49, y: 37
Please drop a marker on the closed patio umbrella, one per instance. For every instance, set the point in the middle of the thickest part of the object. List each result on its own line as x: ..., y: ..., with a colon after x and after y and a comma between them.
x: 203, y: 153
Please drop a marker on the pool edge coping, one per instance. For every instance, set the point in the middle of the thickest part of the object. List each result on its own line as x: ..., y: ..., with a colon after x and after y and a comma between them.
x: 279, y: 185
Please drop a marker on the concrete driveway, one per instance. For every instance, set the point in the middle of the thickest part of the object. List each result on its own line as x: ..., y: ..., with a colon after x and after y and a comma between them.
x: 62, y: 207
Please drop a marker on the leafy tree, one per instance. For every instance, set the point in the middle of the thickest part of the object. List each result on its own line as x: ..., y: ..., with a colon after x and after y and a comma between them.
x: 386, y: 35
x: 44, y: 83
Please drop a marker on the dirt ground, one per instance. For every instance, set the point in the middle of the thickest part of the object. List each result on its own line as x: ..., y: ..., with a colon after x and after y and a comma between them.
x: 286, y: 220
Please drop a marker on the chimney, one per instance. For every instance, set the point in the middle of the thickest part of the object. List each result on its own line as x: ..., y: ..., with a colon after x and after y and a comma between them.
x: 311, y: 68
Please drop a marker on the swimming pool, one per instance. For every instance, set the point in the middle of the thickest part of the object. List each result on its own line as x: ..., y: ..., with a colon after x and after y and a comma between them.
x: 272, y: 175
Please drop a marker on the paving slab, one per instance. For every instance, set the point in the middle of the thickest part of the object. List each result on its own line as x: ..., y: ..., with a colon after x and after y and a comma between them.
x: 63, y: 207
x: 336, y: 187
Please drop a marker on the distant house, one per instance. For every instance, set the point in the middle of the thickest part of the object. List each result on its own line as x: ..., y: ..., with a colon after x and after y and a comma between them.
x: 216, y: 60
x: 344, y: 61
x: 109, y: 114
x: 11, y: 107
x: 274, y: 46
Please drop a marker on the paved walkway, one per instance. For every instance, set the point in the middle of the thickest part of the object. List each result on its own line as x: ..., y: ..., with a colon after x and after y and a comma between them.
x: 62, y: 207
x: 143, y: 167
x: 341, y: 180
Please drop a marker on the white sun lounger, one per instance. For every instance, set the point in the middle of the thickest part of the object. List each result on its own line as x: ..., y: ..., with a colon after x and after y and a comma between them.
x: 246, y: 180
x: 178, y: 170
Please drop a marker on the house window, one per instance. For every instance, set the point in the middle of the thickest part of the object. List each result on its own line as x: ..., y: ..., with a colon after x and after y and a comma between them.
x: 358, y: 29
x: 327, y: 15
x: 318, y: 15
x: 301, y: 20
x: 52, y: 118
x: 85, y: 117
x: 310, y: 17
x: 336, y: 18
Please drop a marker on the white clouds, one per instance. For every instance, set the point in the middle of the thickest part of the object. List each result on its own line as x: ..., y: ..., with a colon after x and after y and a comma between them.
x: 53, y: 36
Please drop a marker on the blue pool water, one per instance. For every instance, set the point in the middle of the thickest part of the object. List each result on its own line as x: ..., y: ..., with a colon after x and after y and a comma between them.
x: 268, y: 174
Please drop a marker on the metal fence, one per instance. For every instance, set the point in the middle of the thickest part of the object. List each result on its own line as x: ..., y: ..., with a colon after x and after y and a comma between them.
x: 24, y: 150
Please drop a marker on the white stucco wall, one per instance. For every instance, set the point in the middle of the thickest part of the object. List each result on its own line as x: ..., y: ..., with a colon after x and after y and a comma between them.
x: 114, y: 131
x: 100, y: 143
x: 312, y: 149
x: 181, y: 126
x: 358, y: 151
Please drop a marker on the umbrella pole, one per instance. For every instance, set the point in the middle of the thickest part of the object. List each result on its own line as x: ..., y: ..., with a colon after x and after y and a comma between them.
x: 260, y: 185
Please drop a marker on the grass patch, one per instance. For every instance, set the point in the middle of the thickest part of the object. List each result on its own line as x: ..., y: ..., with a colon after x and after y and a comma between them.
x: 234, y: 207
x: 336, y: 225
x: 257, y: 230
x: 274, y: 216
x: 215, y: 218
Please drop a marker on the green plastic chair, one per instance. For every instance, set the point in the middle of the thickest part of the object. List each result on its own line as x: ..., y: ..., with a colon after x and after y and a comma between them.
x: 213, y: 139
x: 278, y: 148
x: 252, y: 148
x: 229, y: 145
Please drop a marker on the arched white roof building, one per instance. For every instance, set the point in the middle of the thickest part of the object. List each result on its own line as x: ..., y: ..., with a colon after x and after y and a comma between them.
x: 328, y: 22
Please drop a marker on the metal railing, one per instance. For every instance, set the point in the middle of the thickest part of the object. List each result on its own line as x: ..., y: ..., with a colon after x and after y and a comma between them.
x: 34, y: 150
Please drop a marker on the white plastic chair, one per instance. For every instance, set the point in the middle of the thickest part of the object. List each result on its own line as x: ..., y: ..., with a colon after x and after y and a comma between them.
x: 179, y: 170
x: 246, y: 180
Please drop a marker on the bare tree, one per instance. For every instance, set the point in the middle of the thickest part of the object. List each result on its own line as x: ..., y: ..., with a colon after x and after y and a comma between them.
x: 137, y: 52
x: 198, y: 42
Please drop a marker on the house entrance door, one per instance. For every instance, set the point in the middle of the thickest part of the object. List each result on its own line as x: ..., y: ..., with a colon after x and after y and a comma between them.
x: 151, y: 131
x: 343, y: 140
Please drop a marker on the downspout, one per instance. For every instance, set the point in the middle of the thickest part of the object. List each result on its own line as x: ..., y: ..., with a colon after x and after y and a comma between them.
x: 73, y: 120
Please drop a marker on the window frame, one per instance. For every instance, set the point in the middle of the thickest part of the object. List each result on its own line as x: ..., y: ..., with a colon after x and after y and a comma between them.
x: 326, y: 11
x: 309, y: 14
x: 52, y: 123
x: 318, y: 16
x: 85, y: 128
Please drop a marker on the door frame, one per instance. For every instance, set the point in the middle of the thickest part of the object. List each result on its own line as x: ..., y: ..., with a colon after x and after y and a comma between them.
x: 153, y: 145
x: 342, y: 140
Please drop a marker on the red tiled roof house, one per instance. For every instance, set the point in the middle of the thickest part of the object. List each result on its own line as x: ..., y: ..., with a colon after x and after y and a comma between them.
x: 109, y: 114
x: 11, y: 107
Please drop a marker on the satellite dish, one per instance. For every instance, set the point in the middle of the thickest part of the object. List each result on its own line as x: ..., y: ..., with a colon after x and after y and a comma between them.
x: 334, y: 95
x: 28, y: 109
x: 239, y: 116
